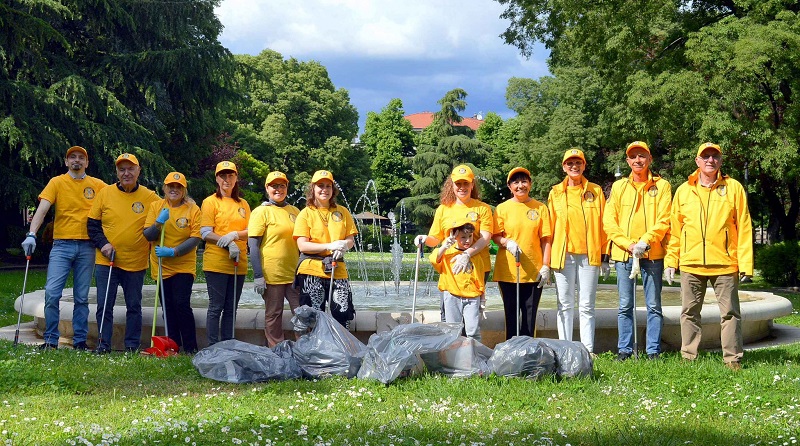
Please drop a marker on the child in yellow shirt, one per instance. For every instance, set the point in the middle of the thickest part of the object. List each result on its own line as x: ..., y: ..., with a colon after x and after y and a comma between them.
x: 461, y: 292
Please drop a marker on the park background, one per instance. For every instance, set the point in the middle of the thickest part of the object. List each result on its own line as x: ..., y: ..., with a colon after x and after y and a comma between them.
x: 153, y: 79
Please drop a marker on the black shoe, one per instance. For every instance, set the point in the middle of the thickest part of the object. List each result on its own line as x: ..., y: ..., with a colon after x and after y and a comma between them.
x: 102, y: 350
x: 80, y: 346
x: 131, y: 349
x: 48, y: 346
x: 653, y: 356
x: 622, y: 356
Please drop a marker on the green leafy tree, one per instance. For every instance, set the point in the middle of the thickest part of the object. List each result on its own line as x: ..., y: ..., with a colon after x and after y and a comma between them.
x: 389, y: 140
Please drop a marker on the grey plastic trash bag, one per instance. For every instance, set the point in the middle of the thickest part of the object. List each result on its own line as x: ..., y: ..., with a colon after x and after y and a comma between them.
x: 572, y: 358
x: 329, y: 349
x: 239, y: 362
x: 391, y: 354
x: 463, y: 358
x: 523, y: 356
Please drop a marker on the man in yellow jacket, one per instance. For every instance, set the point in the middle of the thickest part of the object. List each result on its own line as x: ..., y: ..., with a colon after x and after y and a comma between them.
x: 711, y: 240
x: 636, y: 221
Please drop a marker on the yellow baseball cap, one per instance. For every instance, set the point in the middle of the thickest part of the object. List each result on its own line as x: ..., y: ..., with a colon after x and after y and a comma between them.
x: 635, y: 144
x: 573, y: 153
x: 458, y: 222
x: 175, y: 177
x: 225, y: 165
x: 322, y: 175
x: 462, y: 172
x: 517, y: 170
x: 76, y: 149
x: 126, y: 157
x: 708, y: 145
x: 276, y: 176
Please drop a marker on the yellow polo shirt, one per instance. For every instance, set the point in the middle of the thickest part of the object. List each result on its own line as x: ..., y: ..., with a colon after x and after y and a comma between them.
x: 73, y: 199
x: 279, y: 254
x: 324, y: 226
x: 183, y: 223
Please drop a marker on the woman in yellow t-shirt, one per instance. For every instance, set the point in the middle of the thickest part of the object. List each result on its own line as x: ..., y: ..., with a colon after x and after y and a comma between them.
x: 579, y: 251
x: 179, y: 217
x: 460, y: 199
x: 274, y: 254
x: 324, y: 232
x: 223, y: 226
x: 523, y: 226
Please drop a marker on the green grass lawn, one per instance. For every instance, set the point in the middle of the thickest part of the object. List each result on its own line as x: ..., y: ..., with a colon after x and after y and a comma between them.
x: 69, y: 397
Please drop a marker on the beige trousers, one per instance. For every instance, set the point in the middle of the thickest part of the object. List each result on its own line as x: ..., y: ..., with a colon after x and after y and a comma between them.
x: 273, y: 310
x: 693, y: 290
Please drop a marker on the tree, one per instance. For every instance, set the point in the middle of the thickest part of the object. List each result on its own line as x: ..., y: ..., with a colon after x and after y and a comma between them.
x: 681, y: 73
x: 389, y: 140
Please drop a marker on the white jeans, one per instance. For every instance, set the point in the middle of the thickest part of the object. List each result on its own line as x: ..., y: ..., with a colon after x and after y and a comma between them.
x: 577, y: 271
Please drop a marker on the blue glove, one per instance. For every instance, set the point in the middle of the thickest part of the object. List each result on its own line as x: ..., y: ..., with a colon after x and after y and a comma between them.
x: 163, y: 251
x: 163, y: 216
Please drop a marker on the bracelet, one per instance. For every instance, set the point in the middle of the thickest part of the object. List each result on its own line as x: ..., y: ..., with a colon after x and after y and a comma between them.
x: 31, y: 234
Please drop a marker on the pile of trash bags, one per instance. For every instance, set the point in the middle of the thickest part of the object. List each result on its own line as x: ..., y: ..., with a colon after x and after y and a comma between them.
x: 328, y: 349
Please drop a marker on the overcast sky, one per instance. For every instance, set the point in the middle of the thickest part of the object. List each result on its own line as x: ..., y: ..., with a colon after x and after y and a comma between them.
x: 415, y: 50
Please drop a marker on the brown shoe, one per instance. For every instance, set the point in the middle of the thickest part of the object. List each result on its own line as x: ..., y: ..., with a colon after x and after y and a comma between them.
x: 734, y: 365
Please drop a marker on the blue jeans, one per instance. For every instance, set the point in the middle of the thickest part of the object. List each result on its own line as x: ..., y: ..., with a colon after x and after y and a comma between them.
x: 464, y: 310
x: 131, y: 282
x: 651, y: 277
x: 65, y: 256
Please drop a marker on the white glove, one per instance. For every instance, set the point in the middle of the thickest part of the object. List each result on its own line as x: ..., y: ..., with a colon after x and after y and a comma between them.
x: 260, y: 285
x: 420, y: 240
x: 640, y: 248
x: 482, y: 308
x: 29, y: 245
x: 605, y: 270
x: 226, y: 239
x: 449, y: 242
x: 544, y: 276
x: 337, y: 255
x: 338, y: 245
x: 234, y: 251
x: 669, y: 274
x: 461, y: 263
x: 512, y: 246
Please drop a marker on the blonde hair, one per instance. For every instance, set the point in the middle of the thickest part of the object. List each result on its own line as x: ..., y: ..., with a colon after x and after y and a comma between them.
x: 185, y: 199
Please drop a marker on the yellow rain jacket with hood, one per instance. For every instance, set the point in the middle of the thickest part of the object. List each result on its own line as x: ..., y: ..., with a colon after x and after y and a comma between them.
x: 624, y: 203
x: 711, y: 230
x: 592, y: 203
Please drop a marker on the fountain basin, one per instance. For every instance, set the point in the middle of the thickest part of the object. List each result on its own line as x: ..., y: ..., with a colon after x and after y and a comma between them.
x: 758, y: 311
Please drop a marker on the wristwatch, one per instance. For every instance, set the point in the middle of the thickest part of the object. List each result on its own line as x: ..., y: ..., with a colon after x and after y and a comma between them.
x: 31, y: 234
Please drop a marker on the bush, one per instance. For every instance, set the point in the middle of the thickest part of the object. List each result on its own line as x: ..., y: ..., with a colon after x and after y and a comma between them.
x: 778, y: 263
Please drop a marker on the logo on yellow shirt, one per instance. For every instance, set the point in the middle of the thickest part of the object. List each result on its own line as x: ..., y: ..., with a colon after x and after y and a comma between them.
x: 533, y: 215
x: 722, y: 190
x: 292, y: 217
x: 88, y: 193
x: 182, y: 222
x: 242, y: 212
x: 472, y: 216
x: 653, y: 191
x: 336, y: 216
x: 588, y: 196
x: 137, y: 207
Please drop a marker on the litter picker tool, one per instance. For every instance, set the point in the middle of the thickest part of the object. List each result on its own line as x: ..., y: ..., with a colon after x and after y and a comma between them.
x: 519, y: 310
x: 416, y: 280
x: 22, y: 299
x: 105, y: 302
x: 161, y: 345
x: 235, y: 300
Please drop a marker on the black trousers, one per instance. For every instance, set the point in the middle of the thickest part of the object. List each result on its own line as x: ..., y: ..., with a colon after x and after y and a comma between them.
x: 529, y: 296
x: 178, y: 310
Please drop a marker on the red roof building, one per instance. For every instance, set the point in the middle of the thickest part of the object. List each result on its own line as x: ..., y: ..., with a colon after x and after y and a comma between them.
x: 422, y: 120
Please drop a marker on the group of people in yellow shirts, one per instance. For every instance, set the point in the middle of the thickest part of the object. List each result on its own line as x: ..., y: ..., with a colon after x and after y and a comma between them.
x: 705, y: 231
x: 298, y: 255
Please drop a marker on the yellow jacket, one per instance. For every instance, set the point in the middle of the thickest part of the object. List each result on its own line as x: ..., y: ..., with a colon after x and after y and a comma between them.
x: 711, y: 237
x: 625, y: 201
x: 593, y: 203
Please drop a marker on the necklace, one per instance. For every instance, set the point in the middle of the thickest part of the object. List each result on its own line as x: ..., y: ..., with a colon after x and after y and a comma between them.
x: 325, y: 217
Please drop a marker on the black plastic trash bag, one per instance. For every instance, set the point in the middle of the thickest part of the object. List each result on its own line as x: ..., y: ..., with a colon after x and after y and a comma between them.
x: 329, y: 349
x: 523, y: 356
x: 572, y: 358
x: 392, y: 354
x: 239, y: 362
x: 463, y: 358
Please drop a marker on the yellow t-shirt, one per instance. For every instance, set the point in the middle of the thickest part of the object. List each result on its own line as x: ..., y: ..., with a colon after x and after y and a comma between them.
x: 224, y: 215
x: 476, y: 211
x: 183, y: 223
x: 122, y: 215
x: 576, y: 232
x: 279, y: 254
x: 324, y: 226
x: 526, y: 224
x: 466, y: 284
x: 73, y: 200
